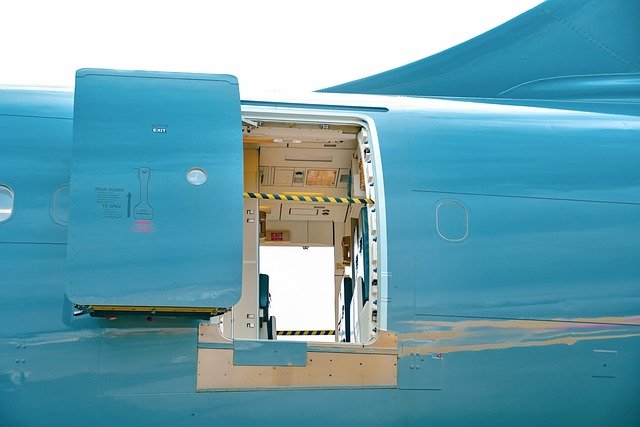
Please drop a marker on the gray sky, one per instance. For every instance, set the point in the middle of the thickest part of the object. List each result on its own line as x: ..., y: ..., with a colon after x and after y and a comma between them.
x: 282, y: 45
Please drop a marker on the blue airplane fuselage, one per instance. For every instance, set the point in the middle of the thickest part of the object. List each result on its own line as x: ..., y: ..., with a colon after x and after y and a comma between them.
x: 512, y: 279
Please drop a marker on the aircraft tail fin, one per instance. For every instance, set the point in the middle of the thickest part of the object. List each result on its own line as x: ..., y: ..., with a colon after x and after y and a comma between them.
x: 560, y: 49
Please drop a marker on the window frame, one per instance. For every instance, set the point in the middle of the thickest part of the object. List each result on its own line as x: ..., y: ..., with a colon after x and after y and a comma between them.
x: 53, y: 211
x: 12, y: 212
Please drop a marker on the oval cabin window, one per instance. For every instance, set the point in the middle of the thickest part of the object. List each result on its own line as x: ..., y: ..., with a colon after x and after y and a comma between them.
x: 6, y: 203
x: 59, y: 209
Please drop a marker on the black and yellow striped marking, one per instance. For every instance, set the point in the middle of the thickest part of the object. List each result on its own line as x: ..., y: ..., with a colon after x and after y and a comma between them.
x: 315, y: 199
x: 300, y: 333
x: 154, y: 310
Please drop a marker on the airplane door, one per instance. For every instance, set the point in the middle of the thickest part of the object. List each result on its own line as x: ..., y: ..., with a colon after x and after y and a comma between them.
x: 156, y: 190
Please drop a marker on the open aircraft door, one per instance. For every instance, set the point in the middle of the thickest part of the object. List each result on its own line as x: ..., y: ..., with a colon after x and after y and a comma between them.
x: 156, y: 192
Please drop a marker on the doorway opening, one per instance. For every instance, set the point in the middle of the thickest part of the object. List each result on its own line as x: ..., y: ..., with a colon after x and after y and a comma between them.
x: 302, y: 294
x: 310, y: 216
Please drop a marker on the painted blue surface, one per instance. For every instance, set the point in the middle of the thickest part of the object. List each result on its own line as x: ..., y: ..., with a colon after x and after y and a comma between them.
x: 534, y: 386
x: 420, y: 371
x: 313, y: 408
x: 558, y: 38
x: 140, y: 233
x: 512, y: 324
x: 31, y: 170
x: 559, y: 243
x: 542, y: 214
x: 602, y: 87
x: 522, y: 251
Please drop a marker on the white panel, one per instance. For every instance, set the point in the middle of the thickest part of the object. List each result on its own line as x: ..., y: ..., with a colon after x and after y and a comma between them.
x: 356, y: 191
x: 366, y: 323
x: 312, y: 136
x: 373, y: 254
x: 266, y: 175
x: 343, y: 178
x: 373, y: 224
x: 338, y: 233
x: 283, y: 177
x: 251, y: 172
x: 303, y: 212
x: 245, y: 312
x: 305, y: 157
x: 325, y: 212
x: 337, y: 300
x: 272, y: 208
x: 320, y: 233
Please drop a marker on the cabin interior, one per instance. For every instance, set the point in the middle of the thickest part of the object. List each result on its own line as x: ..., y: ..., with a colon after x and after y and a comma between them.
x: 315, y: 159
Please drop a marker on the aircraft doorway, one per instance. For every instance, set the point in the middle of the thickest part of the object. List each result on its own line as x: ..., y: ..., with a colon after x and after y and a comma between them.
x: 309, y: 182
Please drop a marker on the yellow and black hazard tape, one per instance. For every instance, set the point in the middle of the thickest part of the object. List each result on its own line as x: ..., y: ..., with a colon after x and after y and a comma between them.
x: 298, y: 333
x: 315, y: 199
x: 112, y: 311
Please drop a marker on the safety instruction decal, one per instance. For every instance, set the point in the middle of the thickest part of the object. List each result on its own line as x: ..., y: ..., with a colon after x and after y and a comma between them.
x: 110, y: 201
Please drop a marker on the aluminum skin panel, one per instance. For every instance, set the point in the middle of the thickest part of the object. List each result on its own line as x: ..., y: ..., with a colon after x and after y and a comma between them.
x: 140, y: 233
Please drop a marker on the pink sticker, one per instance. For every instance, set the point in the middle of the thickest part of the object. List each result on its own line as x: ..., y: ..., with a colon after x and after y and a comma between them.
x: 143, y: 226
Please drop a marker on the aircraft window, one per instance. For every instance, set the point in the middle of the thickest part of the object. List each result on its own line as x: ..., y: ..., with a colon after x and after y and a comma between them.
x: 60, y: 205
x: 197, y: 176
x: 6, y: 203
